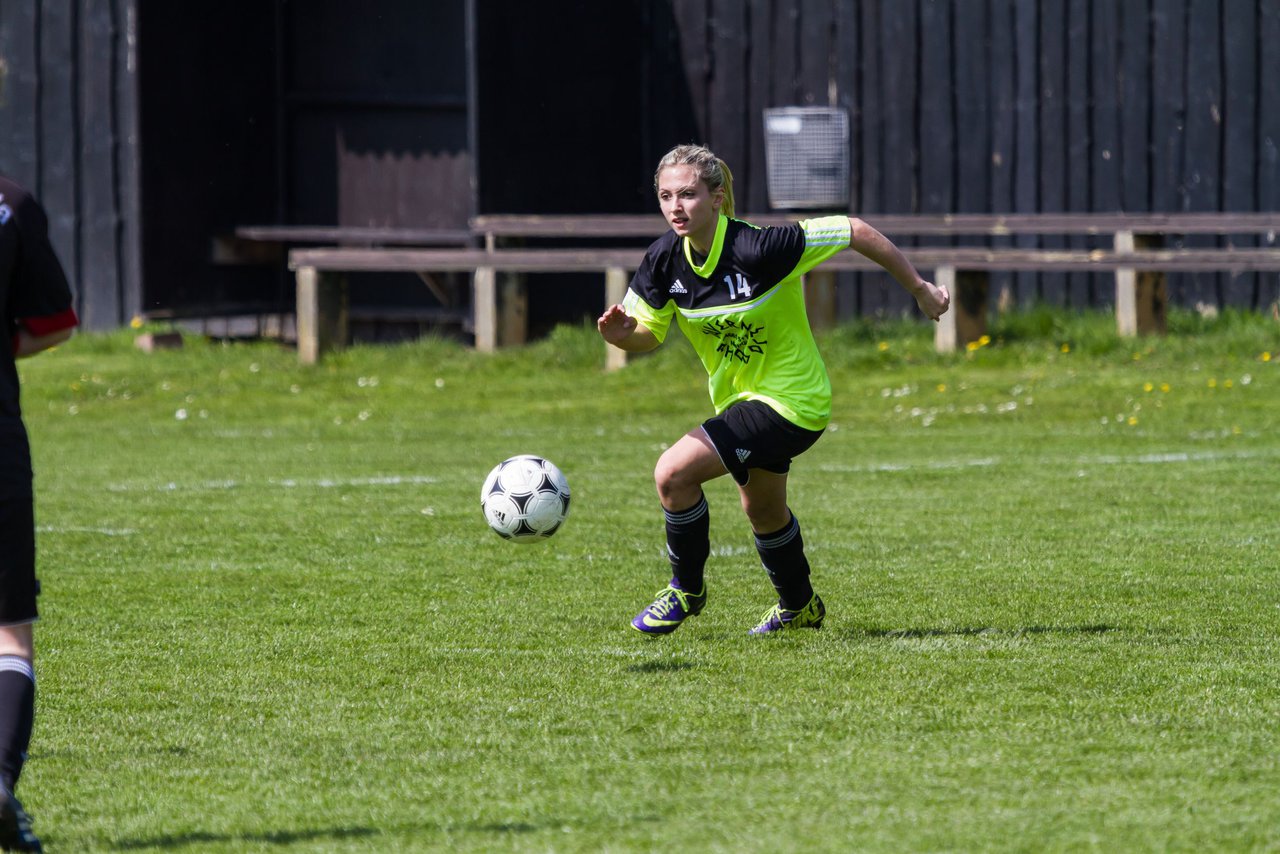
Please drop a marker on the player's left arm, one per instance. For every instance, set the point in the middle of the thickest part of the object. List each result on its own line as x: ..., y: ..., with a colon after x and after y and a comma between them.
x: 867, y: 241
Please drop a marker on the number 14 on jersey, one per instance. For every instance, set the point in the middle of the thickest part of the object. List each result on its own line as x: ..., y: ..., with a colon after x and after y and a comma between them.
x: 738, y: 286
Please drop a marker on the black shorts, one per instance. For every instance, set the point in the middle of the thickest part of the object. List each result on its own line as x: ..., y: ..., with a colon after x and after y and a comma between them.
x: 18, y: 584
x: 752, y: 435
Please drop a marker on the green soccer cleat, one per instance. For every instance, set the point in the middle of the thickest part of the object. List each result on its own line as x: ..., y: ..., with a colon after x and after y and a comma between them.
x: 778, y: 619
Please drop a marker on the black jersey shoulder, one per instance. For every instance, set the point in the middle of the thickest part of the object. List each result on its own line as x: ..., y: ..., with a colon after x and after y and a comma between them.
x: 770, y: 252
x: 657, y: 270
x: 759, y: 257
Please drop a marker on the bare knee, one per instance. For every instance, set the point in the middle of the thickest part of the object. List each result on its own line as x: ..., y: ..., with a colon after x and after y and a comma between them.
x: 766, y: 516
x: 678, y: 489
x: 17, y: 640
x: 764, y: 500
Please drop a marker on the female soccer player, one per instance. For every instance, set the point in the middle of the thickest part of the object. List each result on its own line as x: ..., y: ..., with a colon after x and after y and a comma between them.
x: 735, y: 291
x: 38, y: 315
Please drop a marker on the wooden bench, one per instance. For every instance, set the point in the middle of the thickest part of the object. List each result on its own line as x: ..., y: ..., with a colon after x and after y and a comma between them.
x: 500, y: 309
x: 499, y: 315
x: 269, y: 244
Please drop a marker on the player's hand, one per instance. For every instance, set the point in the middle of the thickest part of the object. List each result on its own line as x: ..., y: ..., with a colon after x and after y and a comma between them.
x: 615, y: 324
x: 933, y: 301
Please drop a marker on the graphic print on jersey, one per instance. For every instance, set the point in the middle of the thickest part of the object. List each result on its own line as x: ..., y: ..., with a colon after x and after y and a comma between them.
x: 738, y: 340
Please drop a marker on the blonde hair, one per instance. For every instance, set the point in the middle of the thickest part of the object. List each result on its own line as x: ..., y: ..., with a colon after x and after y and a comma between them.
x: 711, y: 170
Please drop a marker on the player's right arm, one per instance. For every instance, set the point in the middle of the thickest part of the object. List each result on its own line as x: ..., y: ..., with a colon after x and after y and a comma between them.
x: 640, y: 323
x: 622, y: 331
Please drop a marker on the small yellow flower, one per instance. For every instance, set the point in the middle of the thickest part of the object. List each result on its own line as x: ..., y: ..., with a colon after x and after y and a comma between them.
x: 1066, y: 348
x: 1133, y: 420
x: 1148, y: 387
x: 942, y: 388
x: 882, y: 346
x: 1228, y: 383
x: 972, y: 345
x: 1213, y: 383
x: 136, y: 323
x: 1266, y: 357
x: 1236, y: 431
x: 984, y: 340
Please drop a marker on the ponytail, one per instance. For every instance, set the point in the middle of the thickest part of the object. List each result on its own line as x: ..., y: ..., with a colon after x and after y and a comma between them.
x: 726, y: 207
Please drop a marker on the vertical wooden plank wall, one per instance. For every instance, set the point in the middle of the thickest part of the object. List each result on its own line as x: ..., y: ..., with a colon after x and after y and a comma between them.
x: 67, y: 132
x: 1078, y: 106
x: 1268, y: 146
x: 1012, y: 105
x: 1239, y: 132
x: 1135, y: 105
x: 1003, y: 109
x: 1026, y: 151
x: 1055, y: 170
x: 1202, y: 152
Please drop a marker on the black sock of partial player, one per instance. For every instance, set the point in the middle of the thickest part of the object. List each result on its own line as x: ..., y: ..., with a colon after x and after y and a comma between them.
x: 17, y: 713
x: 689, y: 544
x: 782, y: 554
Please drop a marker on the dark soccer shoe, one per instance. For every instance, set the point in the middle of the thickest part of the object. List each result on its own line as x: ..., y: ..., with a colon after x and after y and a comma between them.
x: 672, y: 607
x: 15, y: 825
x: 779, y: 619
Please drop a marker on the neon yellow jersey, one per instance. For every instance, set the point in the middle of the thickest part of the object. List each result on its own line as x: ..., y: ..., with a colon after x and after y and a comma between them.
x: 742, y: 308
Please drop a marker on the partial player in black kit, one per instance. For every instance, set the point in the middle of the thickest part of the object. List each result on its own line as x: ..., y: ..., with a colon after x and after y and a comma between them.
x: 38, y: 314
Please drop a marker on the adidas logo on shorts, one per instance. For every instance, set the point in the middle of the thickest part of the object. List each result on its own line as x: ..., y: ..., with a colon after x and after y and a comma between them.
x: 677, y: 288
x: 742, y: 453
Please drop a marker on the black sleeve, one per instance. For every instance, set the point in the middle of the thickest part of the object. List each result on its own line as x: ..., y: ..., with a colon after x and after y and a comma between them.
x: 653, y: 276
x: 774, y: 252
x: 39, y: 288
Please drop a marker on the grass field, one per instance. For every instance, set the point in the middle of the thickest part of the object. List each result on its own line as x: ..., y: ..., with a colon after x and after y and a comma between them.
x: 273, y: 619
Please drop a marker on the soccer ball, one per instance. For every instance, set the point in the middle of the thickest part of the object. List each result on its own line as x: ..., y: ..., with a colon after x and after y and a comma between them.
x: 525, y: 499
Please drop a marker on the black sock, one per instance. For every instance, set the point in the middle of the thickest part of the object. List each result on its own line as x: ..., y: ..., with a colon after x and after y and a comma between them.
x: 17, y: 712
x: 689, y: 544
x: 782, y: 554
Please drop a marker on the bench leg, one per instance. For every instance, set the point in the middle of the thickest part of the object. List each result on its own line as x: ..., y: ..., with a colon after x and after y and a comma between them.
x: 322, y: 311
x: 485, y: 309
x: 1126, y: 289
x: 1141, y: 296
x: 966, y: 319
x: 820, y: 299
x: 500, y: 310
x: 615, y: 291
x: 944, y: 334
x: 972, y: 287
x: 513, y: 311
x: 1153, y: 303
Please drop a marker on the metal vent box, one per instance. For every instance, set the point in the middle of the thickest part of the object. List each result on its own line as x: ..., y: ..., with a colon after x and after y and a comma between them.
x: 807, y: 157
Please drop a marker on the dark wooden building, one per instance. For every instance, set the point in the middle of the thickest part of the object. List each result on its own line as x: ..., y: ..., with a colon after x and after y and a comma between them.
x: 152, y: 129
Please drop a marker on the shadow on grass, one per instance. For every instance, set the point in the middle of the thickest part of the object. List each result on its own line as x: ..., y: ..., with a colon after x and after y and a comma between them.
x: 279, y: 837
x: 660, y: 667
x: 982, y: 631
x: 285, y: 837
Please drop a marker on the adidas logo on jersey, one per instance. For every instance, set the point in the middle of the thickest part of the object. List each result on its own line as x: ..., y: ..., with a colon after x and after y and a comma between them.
x: 677, y: 288
x: 742, y: 453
